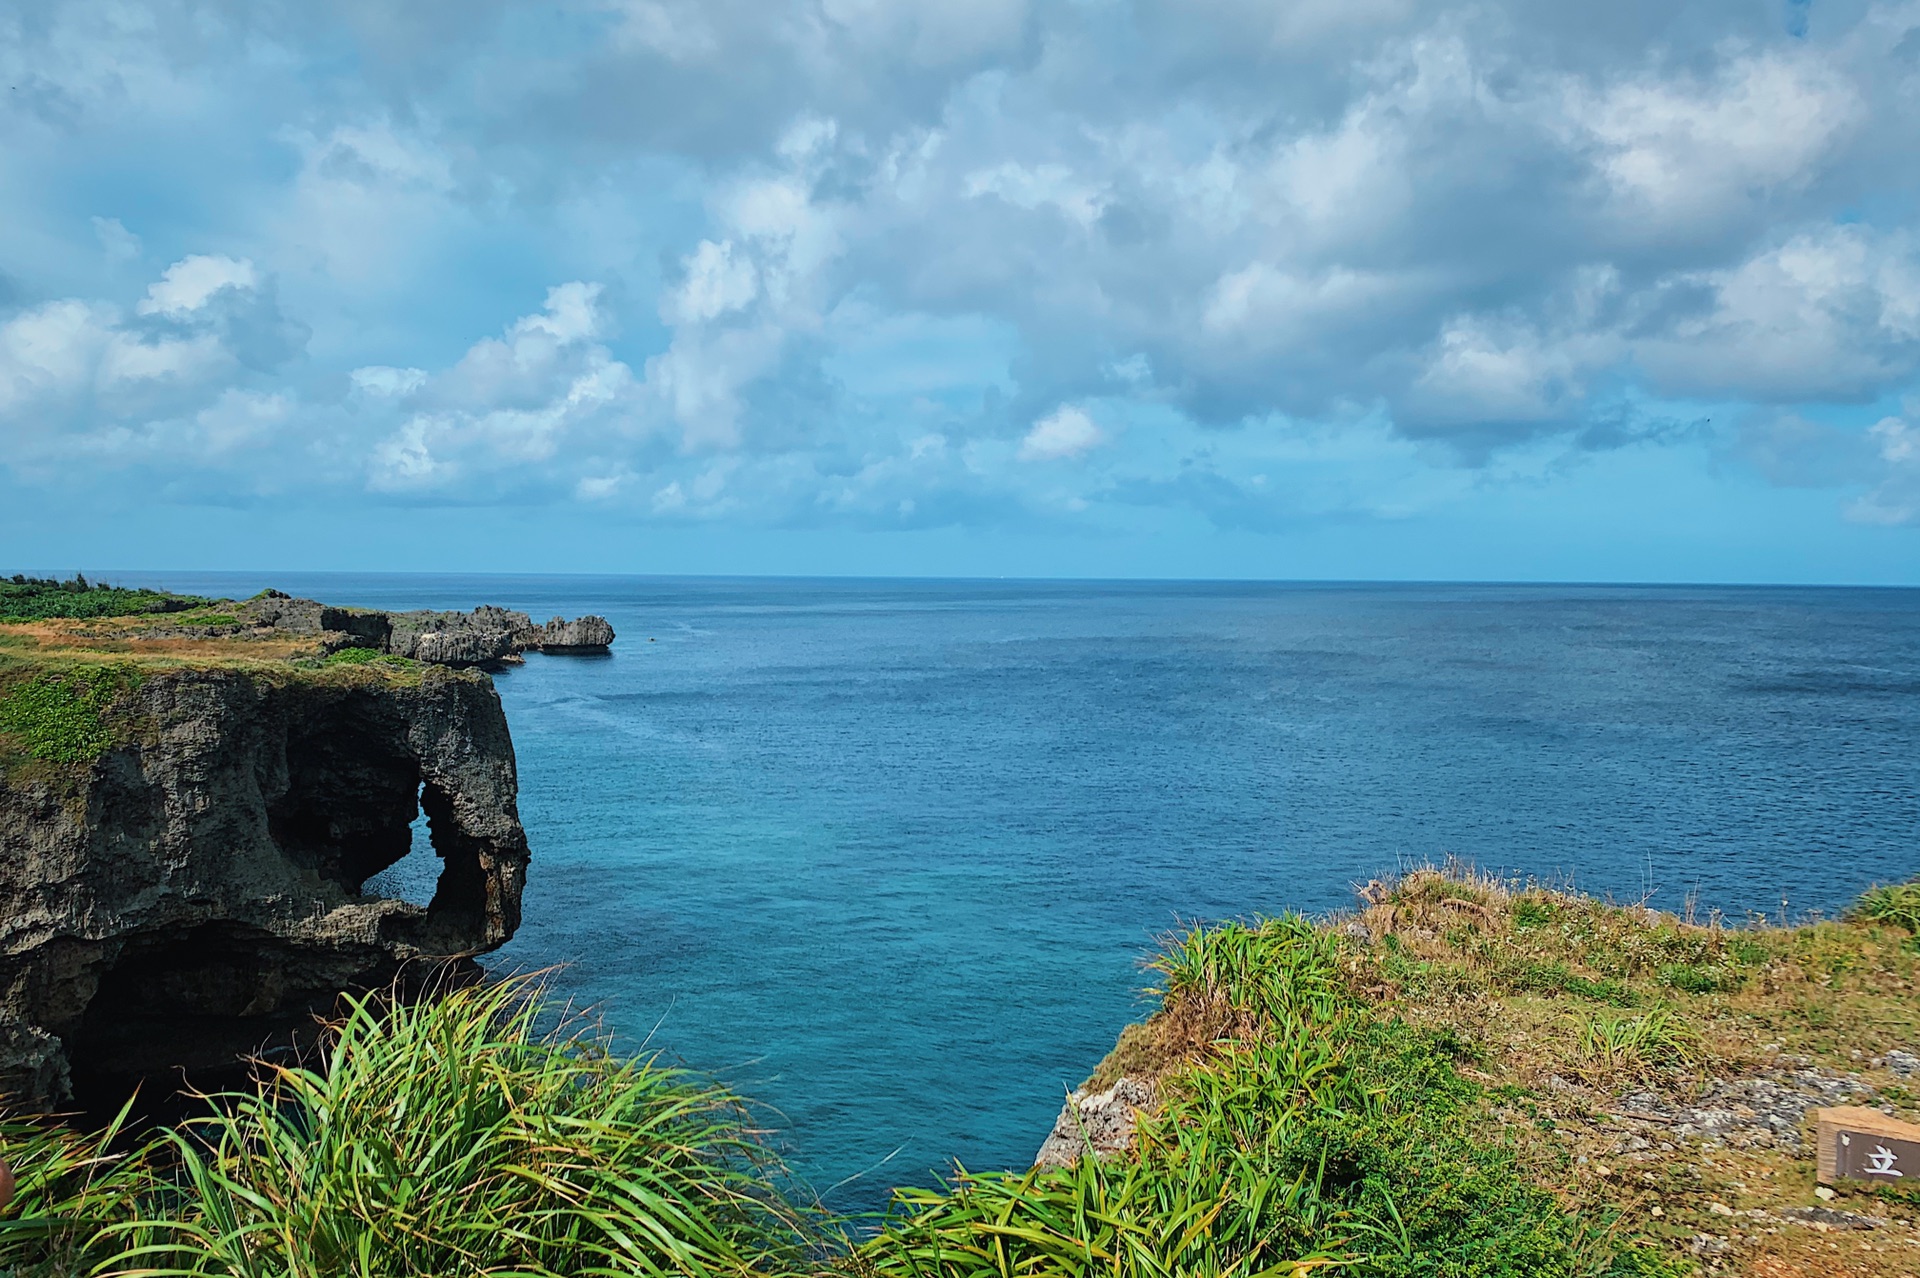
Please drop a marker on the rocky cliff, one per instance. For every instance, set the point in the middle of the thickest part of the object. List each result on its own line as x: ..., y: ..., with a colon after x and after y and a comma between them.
x: 185, y: 883
x: 486, y: 637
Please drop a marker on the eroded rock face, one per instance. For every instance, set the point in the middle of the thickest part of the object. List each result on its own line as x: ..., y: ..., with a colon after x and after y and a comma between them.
x: 588, y: 634
x: 487, y: 637
x: 1100, y: 1123
x: 197, y: 891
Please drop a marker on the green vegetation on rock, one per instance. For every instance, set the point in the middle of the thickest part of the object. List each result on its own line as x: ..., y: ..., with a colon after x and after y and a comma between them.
x: 39, y: 598
x: 60, y: 715
x: 1395, y: 1094
x: 454, y: 1138
x: 1304, y: 1131
x: 1895, y: 903
x: 368, y: 657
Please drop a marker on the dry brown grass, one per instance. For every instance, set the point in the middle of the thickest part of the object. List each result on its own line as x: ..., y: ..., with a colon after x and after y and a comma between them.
x: 138, y: 640
x: 1530, y: 975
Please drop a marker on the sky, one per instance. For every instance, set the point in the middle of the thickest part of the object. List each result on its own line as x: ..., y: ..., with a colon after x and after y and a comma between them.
x: 1178, y: 288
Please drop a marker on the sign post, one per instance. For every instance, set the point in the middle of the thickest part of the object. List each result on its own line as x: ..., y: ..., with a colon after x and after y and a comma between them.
x: 1862, y: 1144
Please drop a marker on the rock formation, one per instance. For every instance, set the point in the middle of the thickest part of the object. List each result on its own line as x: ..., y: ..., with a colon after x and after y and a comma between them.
x: 195, y: 890
x: 486, y: 637
x: 1098, y: 1123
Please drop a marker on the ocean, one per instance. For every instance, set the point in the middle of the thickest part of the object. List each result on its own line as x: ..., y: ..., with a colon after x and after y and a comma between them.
x: 886, y: 855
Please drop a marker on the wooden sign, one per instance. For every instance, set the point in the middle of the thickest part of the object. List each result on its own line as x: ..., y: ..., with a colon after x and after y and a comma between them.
x: 1866, y: 1145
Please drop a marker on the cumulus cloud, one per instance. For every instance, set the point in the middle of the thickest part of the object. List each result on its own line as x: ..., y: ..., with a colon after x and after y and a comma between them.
x: 898, y: 260
x: 189, y: 284
x: 509, y: 403
x: 1066, y: 432
x: 1895, y: 496
x: 89, y: 377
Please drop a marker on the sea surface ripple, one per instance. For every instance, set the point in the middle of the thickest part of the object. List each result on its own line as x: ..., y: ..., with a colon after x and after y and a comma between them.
x: 885, y: 855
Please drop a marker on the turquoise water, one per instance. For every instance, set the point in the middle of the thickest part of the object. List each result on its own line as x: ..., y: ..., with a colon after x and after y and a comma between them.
x: 886, y: 854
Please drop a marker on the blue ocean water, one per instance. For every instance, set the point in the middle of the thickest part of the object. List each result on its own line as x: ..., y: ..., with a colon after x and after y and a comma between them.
x: 885, y: 854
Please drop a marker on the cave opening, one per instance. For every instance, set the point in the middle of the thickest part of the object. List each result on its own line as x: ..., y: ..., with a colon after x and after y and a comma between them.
x: 178, y: 1011
x: 189, y: 1009
x: 415, y: 877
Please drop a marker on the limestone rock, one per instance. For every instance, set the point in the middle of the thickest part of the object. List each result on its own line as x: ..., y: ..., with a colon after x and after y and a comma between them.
x: 196, y: 890
x: 588, y: 634
x: 487, y: 637
x: 490, y: 636
x: 1101, y: 1123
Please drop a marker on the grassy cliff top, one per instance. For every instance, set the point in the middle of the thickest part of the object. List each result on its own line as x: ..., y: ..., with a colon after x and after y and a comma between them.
x: 73, y: 653
x: 1651, y: 1072
x: 44, y: 620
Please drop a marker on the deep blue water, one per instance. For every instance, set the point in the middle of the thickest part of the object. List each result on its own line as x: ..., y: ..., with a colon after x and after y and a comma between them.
x: 886, y: 854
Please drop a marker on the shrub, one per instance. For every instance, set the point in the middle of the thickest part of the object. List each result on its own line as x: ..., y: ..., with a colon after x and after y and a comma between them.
x: 1895, y: 903
x: 369, y: 657
x: 1690, y: 979
x: 60, y: 716
x: 1528, y: 915
x: 1537, y: 977
x: 39, y: 598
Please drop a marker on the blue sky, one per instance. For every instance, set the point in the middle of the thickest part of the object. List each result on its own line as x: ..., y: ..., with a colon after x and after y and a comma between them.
x: 1335, y: 288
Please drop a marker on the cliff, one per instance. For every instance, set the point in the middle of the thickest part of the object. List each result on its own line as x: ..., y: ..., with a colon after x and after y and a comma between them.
x: 487, y: 636
x: 189, y: 812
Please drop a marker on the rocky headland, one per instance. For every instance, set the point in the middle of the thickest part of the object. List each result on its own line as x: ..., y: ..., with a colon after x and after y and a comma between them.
x: 486, y: 637
x: 191, y: 804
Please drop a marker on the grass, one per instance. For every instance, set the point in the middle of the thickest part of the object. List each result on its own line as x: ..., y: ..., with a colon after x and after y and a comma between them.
x: 455, y: 1138
x: 370, y: 657
x: 70, y: 1189
x: 1634, y: 1047
x: 39, y: 598
x: 1423, y: 1089
x: 1303, y: 1132
x: 1896, y: 903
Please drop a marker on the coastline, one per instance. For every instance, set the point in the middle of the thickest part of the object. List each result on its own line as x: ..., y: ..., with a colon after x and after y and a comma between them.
x: 1520, y: 1079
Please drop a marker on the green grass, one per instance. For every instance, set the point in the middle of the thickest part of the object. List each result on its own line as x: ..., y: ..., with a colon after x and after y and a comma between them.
x: 1326, y: 1105
x: 1310, y: 1133
x: 61, y: 716
x: 204, y: 616
x: 448, y: 1139
x: 1633, y: 1046
x: 70, y: 1189
x: 1895, y: 903
x: 39, y: 598
x: 368, y: 657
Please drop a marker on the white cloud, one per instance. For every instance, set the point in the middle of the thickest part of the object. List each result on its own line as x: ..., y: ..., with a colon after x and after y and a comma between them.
x: 1831, y: 312
x: 388, y: 383
x: 509, y: 404
x: 1676, y: 147
x: 191, y: 283
x: 1174, y: 233
x: 1895, y: 498
x: 716, y: 282
x: 82, y: 377
x: 1039, y: 186
x: 49, y: 353
x: 1066, y: 432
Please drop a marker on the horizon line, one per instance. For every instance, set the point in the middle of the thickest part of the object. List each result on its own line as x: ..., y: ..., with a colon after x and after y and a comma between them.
x: 104, y: 576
